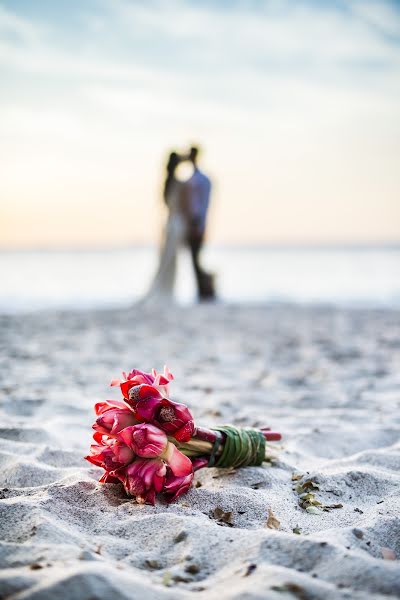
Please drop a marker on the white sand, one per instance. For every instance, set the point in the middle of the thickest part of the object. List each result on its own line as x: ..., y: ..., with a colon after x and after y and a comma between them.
x: 329, y: 379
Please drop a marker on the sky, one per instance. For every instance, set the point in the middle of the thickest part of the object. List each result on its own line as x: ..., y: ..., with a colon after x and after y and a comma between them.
x: 296, y: 105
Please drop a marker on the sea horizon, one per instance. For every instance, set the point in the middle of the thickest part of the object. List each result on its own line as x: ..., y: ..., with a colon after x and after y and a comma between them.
x: 304, y: 245
x: 91, y: 278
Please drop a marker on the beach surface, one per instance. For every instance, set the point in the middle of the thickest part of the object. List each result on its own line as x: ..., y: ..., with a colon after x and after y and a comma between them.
x: 327, y: 378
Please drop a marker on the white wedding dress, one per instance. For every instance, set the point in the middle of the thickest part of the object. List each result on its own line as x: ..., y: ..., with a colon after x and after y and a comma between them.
x: 162, y: 288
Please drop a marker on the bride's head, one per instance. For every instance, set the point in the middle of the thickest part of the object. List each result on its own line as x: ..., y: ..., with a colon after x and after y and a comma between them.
x: 173, y: 162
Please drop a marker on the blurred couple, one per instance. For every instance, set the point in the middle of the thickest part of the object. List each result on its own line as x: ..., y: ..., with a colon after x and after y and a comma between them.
x: 187, y: 203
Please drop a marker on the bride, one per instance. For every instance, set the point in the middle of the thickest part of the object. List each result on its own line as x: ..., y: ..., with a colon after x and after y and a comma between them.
x: 175, y: 234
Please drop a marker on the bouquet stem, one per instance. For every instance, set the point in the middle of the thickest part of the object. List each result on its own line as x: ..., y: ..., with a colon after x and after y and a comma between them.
x: 208, y: 435
x: 208, y: 442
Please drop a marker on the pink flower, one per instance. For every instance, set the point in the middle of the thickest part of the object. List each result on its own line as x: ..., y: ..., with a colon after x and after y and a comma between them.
x: 179, y: 463
x: 101, y: 407
x: 145, y: 440
x: 150, y: 406
x: 136, y: 377
x: 143, y: 478
x: 112, y: 420
x: 111, y: 455
x: 176, y: 486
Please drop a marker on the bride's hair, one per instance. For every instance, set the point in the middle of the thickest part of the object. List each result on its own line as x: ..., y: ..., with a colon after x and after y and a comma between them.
x: 172, y: 163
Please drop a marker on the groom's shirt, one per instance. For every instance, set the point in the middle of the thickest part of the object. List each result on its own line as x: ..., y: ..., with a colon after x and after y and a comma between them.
x: 199, y: 190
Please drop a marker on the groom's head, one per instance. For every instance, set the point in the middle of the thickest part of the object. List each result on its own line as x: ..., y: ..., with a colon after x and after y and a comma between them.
x: 193, y: 154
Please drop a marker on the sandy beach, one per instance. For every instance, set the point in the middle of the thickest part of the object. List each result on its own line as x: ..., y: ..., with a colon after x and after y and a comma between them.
x: 327, y: 378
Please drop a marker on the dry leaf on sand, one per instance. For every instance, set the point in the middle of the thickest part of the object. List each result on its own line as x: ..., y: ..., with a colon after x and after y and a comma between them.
x: 272, y: 521
x: 388, y: 554
x: 223, y: 516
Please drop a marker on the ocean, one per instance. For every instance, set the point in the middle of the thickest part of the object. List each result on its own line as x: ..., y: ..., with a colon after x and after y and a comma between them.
x: 73, y: 279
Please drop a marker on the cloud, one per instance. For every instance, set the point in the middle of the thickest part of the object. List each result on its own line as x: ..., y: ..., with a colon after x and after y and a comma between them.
x: 192, y: 66
x: 384, y: 16
x: 297, y: 31
x: 228, y: 57
x: 179, y: 37
x: 15, y: 26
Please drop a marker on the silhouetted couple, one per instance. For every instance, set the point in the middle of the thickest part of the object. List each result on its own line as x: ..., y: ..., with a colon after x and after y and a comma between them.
x: 187, y: 203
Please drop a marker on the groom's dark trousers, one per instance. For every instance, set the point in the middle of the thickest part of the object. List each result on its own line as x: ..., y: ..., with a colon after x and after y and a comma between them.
x: 205, y: 281
x: 195, y: 244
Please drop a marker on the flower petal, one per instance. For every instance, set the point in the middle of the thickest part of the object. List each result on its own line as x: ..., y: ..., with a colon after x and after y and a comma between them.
x: 178, y: 462
x: 101, y: 407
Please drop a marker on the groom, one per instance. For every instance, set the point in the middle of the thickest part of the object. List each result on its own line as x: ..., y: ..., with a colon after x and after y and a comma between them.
x: 198, y: 188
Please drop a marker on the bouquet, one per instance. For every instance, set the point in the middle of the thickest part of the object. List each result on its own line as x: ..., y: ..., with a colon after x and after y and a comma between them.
x: 151, y: 444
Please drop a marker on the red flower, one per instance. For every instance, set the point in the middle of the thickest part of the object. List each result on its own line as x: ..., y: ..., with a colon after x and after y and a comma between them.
x: 110, y: 455
x: 112, y: 420
x: 143, y: 478
x: 136, y: 377
x: 150, y: 406
x: 145, y: 440
x: 176, y: 486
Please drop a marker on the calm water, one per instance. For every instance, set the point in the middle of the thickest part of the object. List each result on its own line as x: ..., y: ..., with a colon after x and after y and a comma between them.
x: 32, y: 280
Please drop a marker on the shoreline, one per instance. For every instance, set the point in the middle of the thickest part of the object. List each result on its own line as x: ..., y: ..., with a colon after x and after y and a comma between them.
x: 345, y: 306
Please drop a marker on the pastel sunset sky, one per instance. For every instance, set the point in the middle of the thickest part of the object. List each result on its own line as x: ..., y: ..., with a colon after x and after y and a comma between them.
x: 295, y: 103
